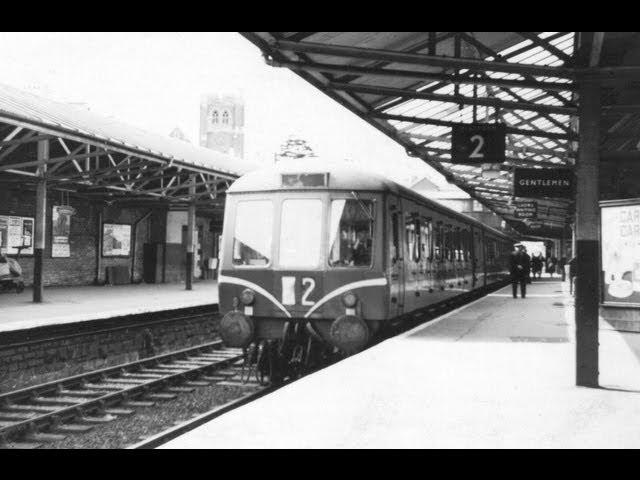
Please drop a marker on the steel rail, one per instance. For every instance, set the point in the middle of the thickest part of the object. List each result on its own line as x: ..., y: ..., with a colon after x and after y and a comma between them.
x: 54, y: 417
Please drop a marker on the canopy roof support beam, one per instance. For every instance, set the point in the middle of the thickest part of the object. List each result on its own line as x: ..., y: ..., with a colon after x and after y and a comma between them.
x: 422, y: 59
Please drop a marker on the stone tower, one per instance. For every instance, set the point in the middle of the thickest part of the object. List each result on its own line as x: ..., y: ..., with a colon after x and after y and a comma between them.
x: 222, y: 124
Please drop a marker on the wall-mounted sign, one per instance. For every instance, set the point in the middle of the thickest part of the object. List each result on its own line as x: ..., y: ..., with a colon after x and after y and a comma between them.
x: 116, y: 240
x: 543, y: 182
x: 60, y: 230
x: 16, y: 234
x: 478, y: 143
x: 526, y: 209
x: 620, y: 224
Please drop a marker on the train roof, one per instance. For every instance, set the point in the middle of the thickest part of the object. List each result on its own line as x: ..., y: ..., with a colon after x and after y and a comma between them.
x: 342, y: 176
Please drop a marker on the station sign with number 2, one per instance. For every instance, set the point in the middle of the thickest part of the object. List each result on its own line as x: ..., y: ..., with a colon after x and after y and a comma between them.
x: 476, y: 143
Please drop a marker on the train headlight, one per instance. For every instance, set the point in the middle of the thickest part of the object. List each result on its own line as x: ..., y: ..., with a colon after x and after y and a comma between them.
x: 349, y: 300
x: 248, y: 296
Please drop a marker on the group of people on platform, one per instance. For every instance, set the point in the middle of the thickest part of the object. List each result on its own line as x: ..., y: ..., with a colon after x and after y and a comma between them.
x: 522, y: 267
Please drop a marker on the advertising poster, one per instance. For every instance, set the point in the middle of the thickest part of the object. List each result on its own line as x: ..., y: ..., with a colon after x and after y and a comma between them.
x: 60, y: 230
x: 17, y: 234
x: 116, y: 240
x: 4, y: 232
x: 621, y: 253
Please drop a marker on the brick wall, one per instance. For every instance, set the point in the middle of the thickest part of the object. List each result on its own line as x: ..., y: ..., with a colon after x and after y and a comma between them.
x: 80, y: 267
x: 27, y: 364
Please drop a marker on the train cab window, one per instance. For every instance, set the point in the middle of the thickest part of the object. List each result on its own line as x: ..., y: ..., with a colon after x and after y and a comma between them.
x: 395, y: 237
x: 253, y: 233
x: 300, y: 233
x: 351, y: 233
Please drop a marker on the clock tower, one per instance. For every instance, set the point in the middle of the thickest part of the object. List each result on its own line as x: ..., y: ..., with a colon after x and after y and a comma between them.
x: 222, y: 124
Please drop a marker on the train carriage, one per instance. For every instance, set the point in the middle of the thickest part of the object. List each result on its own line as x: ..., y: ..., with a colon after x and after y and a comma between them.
x: 319, y: 257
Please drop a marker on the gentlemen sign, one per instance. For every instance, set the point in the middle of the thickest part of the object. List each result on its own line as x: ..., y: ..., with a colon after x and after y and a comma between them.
x: 526, y: 209
x: 543, y: 182
x: 478, y: 143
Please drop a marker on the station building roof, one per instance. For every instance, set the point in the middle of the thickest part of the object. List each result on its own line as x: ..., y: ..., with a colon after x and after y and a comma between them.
x: 414, y: 86
x: 100, y: 156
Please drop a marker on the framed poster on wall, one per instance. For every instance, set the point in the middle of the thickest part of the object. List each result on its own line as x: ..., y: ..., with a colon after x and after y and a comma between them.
x: 60, y: 230
x: 620, y: 244
x: 116, y: 240
x: 16, y: 234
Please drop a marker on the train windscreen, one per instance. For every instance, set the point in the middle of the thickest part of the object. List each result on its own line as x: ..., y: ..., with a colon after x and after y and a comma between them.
x: 350, y: 233
x: 253, y: 233
x: 300, y: 233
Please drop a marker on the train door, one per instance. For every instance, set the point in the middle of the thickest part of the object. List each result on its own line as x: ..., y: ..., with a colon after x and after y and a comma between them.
x: 473, y: 235
x: 395, y: 260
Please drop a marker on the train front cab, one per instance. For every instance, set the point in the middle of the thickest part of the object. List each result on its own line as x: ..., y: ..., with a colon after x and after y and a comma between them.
x: 303, y: 260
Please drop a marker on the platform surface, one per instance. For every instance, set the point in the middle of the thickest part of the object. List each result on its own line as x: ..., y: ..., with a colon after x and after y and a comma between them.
x: 83, y: 303
x: 497, y: 373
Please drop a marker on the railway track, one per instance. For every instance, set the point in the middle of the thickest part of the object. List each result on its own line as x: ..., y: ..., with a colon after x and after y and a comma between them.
x: 50, y: 411
x: 184, y: 427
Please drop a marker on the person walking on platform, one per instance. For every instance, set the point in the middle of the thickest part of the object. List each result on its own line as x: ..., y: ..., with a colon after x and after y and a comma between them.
x: 551, y: 265
x: 536, y: 265
x: 519, y: 267
x: 573, y: 272
x: 561, y: 263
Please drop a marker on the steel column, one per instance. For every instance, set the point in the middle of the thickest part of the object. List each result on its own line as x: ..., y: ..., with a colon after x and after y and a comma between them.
x: 587, y: 236
x: 40, y: 220
x: 191, y: 223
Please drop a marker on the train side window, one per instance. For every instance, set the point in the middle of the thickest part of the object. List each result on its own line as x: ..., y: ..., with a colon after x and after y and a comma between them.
x: 417, y: 252
x: 439, y: 241
x: 410, y: 234
x: 395, y: 237
x: 457, y: 253
x: 412, y: 227
x: 466, y: 242
x: 447, y: 242
x: 253, y: 233
x: 426, y: 240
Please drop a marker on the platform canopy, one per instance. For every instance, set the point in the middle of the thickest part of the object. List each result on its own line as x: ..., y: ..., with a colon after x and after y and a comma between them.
x: 99, y: 157
x: 415, y: 86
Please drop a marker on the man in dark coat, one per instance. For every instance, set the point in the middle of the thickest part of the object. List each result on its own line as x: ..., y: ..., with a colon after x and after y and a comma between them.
x: 519, y: 267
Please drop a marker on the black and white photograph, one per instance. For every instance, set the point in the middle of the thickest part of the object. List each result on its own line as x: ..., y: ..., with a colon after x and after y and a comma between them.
x: 319, y: 240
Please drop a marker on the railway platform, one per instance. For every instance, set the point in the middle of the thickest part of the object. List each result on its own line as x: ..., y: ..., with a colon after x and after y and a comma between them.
x: 65, y: 305
x: 496, y: 373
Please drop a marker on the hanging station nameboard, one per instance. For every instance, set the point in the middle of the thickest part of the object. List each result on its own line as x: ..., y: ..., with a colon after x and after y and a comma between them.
x: 543, y: 182
x: 477, y: 143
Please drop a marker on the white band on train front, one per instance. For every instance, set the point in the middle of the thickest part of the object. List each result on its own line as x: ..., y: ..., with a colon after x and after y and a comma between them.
x: 374, y: 282
x: 257, y: 288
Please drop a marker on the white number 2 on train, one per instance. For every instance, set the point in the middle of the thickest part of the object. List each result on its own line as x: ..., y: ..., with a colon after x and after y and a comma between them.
x: 289, y: 291
x: 477, y: 152
x: 311, y: 285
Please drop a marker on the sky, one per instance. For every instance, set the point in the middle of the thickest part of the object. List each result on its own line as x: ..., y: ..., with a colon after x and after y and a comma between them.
x: 154, y: 81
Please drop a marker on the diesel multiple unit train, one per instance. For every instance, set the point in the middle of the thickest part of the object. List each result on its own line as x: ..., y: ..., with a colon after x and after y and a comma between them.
x: 319, y: 257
